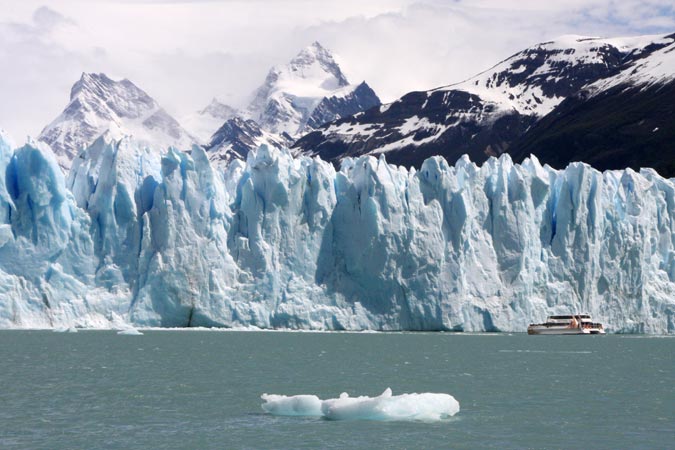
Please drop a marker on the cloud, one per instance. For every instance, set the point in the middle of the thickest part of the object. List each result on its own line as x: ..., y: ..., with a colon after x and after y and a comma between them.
x: 436, y: 43
x: 185, y: 52
x: 37, y: 71
x: 48, y: 19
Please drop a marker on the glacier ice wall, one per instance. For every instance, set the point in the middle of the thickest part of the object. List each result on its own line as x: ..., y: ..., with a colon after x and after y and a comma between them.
x: 157, y: 239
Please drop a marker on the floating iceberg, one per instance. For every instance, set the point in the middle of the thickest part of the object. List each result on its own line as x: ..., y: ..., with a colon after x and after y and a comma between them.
x: 417, y: 407
x: 162, y: 239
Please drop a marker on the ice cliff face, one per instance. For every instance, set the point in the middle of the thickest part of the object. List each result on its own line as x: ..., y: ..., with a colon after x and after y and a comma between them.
x: 47, y: 256
x: 283, y: 242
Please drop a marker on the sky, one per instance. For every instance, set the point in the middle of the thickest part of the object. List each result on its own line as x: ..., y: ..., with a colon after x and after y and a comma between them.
x: 184, y: 53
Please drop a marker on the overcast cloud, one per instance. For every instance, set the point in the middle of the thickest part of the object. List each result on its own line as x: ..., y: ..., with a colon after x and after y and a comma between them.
x: 183, y: 53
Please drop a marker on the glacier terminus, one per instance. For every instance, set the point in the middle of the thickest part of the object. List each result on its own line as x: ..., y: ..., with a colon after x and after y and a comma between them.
x: 135, y: 235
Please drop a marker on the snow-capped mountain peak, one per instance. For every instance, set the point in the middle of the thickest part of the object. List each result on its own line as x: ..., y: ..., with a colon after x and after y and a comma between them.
x: 219, y: 109
x: 291, y: 92
x: 122, y: 97
x: 295, y: 98
x: 315, y: 61
x: 97, y: 104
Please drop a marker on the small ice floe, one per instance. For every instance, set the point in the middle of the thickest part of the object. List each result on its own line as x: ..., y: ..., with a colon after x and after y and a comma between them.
x: 411, y: 407
x: 65, y: 330
x: 295, y: 405
x: 130, y: 332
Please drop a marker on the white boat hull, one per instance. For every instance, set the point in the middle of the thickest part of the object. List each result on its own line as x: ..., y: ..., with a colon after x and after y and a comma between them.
x: 543, y: 329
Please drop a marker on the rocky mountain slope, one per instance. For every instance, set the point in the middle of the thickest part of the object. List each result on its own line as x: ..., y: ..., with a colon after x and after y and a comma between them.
x: 625, y: 120
x: 485, y: 115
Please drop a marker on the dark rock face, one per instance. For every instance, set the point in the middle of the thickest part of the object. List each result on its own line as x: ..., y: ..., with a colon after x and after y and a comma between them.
x: 450, y: 133
x: 621, y: 127
x: 337, y: 107
x: 237, y: 137
x: 485, y: 116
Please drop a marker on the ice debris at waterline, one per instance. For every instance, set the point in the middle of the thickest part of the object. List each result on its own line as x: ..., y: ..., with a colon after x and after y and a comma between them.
x: 161, y: 238
x: 418, y: 407
x: 130, y: 332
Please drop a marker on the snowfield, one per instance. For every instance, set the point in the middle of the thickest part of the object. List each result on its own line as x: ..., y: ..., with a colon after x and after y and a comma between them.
x: 138, y: 237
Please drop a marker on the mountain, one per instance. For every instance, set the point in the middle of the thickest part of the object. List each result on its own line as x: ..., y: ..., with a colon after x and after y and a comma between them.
x: 625, y: 120
x: 485, y: 115
x: 236, y: 137
x: 99, y: 104
x: 287, y: 101
x: 205, y: 122
x: 295, y: 98
x: 165, y: 240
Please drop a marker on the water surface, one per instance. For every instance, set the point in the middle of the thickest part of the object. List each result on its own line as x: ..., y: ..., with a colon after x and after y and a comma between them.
x: 201, y: 389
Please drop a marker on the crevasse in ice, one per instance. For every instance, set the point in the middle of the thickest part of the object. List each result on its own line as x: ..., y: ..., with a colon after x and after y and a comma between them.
x: 163, y: 239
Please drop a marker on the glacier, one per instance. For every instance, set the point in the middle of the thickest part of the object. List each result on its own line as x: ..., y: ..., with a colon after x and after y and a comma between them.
x: 138, y: 237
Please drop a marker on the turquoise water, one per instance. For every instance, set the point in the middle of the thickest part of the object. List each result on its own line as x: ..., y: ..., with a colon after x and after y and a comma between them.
x: 201, y: 389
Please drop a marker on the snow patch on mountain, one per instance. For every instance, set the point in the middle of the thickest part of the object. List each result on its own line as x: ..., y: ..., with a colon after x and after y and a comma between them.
x: 526, y: 81
x: 658, y: 68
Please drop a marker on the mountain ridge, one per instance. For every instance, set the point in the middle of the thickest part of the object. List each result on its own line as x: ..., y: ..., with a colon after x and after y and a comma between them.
x: 486, y: 114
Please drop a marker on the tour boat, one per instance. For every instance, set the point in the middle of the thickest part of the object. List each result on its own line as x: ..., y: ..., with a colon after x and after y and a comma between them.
x: 572, y: 324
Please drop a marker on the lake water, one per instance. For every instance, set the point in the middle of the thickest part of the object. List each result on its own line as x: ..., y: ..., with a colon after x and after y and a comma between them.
x: 201, y: 389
